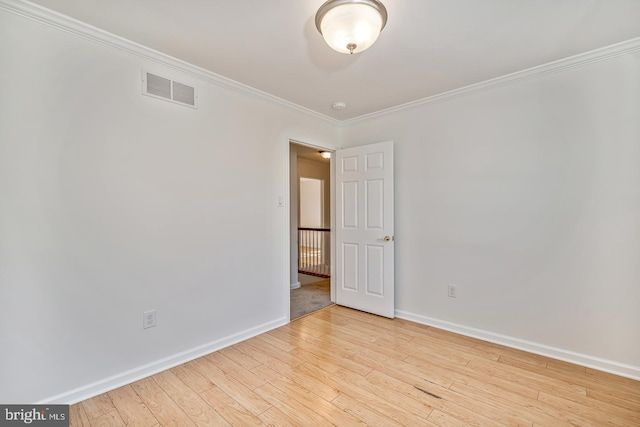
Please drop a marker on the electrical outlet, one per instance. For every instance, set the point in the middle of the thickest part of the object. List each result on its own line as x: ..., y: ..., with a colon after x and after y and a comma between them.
x: 451, y: 291
x: 148, y: 319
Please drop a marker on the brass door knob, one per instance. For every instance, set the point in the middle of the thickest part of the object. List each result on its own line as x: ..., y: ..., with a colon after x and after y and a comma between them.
x: 388, y: 238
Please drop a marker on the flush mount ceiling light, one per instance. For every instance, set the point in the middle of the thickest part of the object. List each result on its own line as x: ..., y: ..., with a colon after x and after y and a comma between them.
x: 325, y: 154
x: 351, y: 26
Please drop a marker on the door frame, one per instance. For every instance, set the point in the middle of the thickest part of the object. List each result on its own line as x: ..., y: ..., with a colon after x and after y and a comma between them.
x: 289, y: 223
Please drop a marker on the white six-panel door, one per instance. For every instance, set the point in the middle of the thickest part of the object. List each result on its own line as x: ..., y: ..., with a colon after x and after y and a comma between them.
x: 364, y: 228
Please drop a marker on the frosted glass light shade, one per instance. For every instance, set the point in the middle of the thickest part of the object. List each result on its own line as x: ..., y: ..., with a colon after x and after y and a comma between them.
x: 351, y: 26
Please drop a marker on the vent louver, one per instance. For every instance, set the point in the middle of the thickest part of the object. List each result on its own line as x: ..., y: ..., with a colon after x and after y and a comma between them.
x: 164, y: 88
x: 158, y: 86
x: 183, y: 93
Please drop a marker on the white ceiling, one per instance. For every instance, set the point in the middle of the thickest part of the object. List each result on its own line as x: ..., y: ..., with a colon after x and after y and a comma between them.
x: 310, y: 153
x: 428, y: 46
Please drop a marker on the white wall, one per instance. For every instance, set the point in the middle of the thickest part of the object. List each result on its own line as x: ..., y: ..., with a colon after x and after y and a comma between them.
x: 321, y: 171
x: 112, y: 203
x: 311, y: 197
x: 527, y: 197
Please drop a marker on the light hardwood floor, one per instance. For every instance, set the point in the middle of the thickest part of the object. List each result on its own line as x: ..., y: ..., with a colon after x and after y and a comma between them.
x: 343, y: 367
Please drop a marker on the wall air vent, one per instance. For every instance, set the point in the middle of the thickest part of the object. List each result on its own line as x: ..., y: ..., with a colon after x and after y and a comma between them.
x: 164, y: 88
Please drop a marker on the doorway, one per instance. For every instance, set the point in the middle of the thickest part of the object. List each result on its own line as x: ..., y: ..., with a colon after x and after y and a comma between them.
x: 311, y: 241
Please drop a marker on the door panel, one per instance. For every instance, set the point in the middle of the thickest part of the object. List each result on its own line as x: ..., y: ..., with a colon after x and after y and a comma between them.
x: 350, y: 204
x: 365, y: 260
x: 375, y: 274
x: 350, y: 271
x: 374, y: 204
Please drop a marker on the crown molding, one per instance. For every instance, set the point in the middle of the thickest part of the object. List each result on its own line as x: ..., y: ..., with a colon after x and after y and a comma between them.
x: 580, y: 60
x: 65, y: 23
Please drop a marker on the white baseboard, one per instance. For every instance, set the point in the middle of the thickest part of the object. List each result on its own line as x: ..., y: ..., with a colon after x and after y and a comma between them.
x: 599, y: 364
x: 111, y: 383
x: 295, y: 285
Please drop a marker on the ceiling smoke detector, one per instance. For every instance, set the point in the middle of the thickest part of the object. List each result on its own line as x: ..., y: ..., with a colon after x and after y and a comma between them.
x: 339, y: 106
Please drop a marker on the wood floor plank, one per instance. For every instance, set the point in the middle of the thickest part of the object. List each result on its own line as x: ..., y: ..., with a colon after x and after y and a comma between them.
x: 630, y: 390
x: 110, y: 419
x: 370, y: 326
x: 98, y: 406
x: 452, y: 337
x: 441, y: 418
x: 592, y: 374
x: 328, y: 327
x: 189, y: 401
x: 263, y: 352
x: 316, y: 354
x: 446, y: 353
x: 369, y: 416
x: 479, y: 400
x: 400, y: 400
x: 384, y: 401
x: 447, y: 347
x: 282, y: 334
x: 448, y: 401
x: 385, y: 348
x: 457, y: 373
x: 332, y: 316
x: 314, y: 327
x: 603, y: 381
x: 588, y: 413
x: 298, y: 330
x: 161, y: 405
x: 300, y: 377
x: 613, y: 410
x: 131, y: 408
x: 229, y: 408
x: 282, y: 381
x: 523, y: 357
x: 562, y: 366
x: 614, y: 399
x: 77, y: 416
x: 291, y: 407
x: 517, y: 371
x: 525, y: 407
x: 414, y: 327
x: 383, y: 326
x: 322, y: 348
x: 346, y: 330
x: 344, y: 367
x: 276, y: 342
x: 235, y: 370
x: 404, y: 370
x: 234, y: 388
x: 309, y: 398
x: 275, y: 417
x: 239, y: 357
x: 191, y: 377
